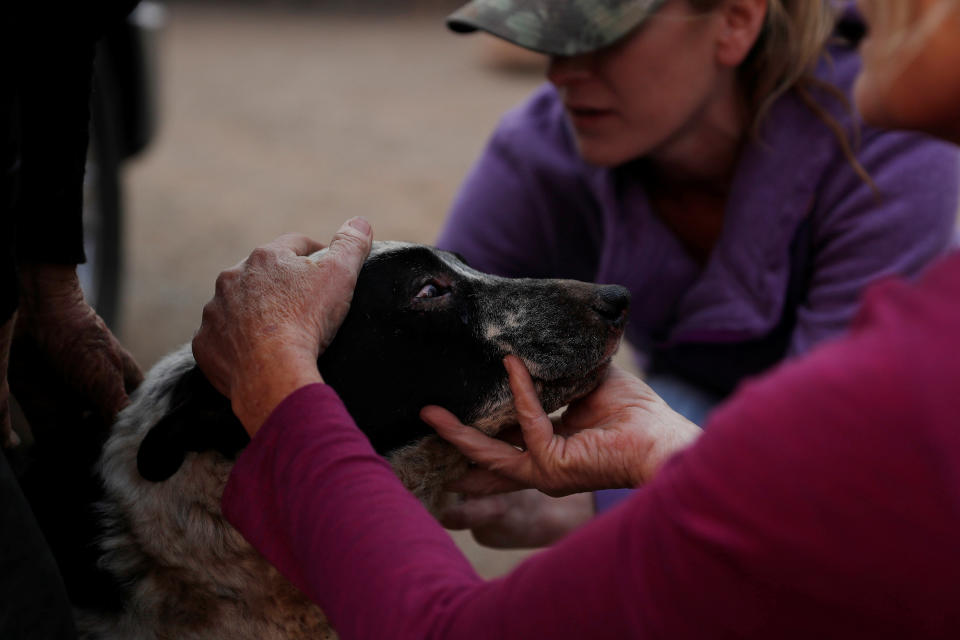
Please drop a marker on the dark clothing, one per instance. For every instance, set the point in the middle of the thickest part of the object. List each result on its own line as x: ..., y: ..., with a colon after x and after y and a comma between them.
x: 33, y: 600
x: 47, y: 51
x: 44, y: 119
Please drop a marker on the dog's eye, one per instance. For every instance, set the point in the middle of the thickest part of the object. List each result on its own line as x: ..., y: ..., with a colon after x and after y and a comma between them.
x: 430, y: 290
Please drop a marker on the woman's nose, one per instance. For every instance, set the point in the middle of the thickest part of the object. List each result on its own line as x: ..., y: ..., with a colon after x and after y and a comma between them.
x: 564, y: 70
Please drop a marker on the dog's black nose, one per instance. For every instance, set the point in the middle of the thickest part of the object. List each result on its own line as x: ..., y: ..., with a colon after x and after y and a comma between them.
x: 611, y: 302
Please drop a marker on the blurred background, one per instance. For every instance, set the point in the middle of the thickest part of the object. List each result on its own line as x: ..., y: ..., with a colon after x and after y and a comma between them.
x: 288, y: 115
x: 252, y: 118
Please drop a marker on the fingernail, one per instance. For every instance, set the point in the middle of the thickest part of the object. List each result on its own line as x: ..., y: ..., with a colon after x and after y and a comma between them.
x: 360, y: 224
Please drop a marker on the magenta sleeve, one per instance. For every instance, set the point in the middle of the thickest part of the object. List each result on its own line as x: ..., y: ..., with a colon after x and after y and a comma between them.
x: 819, y: 501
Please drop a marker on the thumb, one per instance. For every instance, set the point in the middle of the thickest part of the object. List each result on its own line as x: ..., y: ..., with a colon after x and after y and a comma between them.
x: 351, y: 244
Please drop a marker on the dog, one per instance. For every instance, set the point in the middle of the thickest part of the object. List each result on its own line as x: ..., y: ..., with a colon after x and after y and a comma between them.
x: 424, y: 328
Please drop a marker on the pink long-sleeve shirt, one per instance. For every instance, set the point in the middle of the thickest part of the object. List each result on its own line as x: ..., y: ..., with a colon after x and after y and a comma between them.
x: 822, y: 501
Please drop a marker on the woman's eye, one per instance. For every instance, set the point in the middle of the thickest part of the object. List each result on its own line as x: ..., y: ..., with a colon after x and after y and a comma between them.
x: 429, y: 291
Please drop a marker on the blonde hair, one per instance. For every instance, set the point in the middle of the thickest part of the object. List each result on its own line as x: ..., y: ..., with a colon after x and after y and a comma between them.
x: 793, y: 39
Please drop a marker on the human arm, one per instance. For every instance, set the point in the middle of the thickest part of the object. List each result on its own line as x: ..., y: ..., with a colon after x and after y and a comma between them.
x: 789, y: 518
x: 78, y: 348
x: 45, y: 119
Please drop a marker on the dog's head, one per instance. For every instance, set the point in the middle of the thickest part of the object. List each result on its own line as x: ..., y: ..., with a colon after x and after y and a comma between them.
x: 424, y: 328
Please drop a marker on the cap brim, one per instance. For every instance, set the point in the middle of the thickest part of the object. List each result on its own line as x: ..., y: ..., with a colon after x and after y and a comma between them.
x: 559, y: 37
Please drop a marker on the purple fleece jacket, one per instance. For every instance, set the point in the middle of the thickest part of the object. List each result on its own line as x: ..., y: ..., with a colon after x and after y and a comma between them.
x: 803, y: 234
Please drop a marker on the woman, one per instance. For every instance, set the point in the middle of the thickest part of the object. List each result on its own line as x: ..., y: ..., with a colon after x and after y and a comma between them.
x: 822, y: 500
x: 708, y: 161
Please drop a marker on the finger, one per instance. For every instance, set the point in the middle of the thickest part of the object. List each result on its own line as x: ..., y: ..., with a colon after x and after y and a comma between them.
x: 481, y: 482
x: 351, y: 244
x: 534, y: 422
x: 296, y: 243
x: 475, y: 445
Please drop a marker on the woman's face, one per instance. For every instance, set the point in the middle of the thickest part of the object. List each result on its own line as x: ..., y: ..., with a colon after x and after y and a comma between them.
x: 627, y: 100
x: 911, y: 79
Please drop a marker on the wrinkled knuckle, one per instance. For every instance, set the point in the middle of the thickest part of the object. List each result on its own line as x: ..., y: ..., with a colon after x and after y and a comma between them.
x: 224, y: 281
x: 295, y: 238
x: 207, y: 312
x: 261, y: 256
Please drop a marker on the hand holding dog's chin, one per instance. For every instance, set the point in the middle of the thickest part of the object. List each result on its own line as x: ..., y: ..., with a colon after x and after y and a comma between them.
x: 618, y: 436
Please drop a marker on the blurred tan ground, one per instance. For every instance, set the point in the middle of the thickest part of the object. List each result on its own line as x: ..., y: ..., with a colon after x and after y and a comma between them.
x: 283, y: 120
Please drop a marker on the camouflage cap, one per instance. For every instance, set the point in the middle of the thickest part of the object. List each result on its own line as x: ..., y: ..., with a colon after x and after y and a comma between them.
x: 555, y: 27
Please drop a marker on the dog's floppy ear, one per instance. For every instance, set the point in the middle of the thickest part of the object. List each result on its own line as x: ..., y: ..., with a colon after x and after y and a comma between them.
x: 199, y: 419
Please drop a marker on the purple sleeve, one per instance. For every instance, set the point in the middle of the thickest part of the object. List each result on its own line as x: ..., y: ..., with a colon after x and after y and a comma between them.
x: 860, y: 235
x: 737, y: 536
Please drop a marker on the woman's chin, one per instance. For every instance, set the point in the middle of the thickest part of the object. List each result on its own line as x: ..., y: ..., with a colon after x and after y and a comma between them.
x: 600, y: 153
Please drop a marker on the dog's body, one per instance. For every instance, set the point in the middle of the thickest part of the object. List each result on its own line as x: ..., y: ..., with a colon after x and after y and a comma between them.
x: 423, y: 329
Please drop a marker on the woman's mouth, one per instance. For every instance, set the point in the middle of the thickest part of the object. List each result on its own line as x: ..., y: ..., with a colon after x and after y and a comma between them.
x: 589, y: 117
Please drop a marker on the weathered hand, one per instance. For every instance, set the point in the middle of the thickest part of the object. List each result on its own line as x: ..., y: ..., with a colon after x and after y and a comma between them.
x: 617, y: 436
x: 273, y: 314
x: 519, y: 519
x: 77, y: 345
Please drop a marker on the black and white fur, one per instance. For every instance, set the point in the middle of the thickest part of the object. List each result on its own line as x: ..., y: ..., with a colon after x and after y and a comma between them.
x: 423, y: 328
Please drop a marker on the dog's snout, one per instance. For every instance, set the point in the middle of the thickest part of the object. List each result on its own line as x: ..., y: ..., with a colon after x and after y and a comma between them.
x: 611, y: 302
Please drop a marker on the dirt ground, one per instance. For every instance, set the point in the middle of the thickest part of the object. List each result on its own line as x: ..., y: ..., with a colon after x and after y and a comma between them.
x: 283, y: 120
